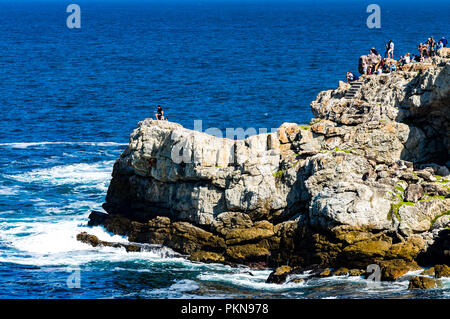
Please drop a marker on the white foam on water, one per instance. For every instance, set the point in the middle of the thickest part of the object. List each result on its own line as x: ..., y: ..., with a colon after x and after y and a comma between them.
x: 256, y: 280
x: 96, y: 174
x: 180, y: 289
x: 24, y: 145
x: 9, y: 190
x: 51, y: 241
x: 184, y: 285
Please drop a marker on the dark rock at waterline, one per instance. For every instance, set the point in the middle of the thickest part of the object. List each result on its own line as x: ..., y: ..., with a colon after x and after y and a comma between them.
x: 438, y: 252
x: 95, y: 242
x: 97, y: 218
x: 420, y: 282
x: 441, y: 271
x: 279, y: 275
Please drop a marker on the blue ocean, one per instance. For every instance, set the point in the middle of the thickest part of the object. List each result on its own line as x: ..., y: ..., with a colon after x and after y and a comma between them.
x: 69, y: 99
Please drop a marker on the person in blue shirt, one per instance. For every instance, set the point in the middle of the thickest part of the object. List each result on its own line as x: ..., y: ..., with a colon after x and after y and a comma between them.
x: 444, y: 41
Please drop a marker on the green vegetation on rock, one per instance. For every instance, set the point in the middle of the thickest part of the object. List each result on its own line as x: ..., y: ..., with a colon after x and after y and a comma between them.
x: 278, y: 174
x: 447, y: 213
x: 305, y: 127
x: 396, y: 207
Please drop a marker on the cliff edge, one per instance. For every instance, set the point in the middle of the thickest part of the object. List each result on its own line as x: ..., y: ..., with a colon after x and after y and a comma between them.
x: 367, y: 181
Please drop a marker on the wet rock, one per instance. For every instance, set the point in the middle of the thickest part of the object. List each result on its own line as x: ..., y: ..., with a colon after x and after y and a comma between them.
x: 279, y: 275
x: 88, y: 239
x: 441, y: 271
x: 419, y: 282
x: 428, y: 272
x: 297, y: 281
x: 327, y: 272
x: 356, y: 272
x: 393, y: 269
x: 341, y: 272
x: 97, y: 218
x: 95, y: 242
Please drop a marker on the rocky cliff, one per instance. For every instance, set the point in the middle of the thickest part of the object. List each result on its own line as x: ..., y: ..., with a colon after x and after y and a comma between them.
x: 367, y: 181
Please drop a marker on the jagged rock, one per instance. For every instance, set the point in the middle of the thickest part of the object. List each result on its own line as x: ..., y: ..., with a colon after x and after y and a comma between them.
x: 419, y: 282
x: 413, y: 193
x: 435, y: 189
x: 393, y: 269
x: 418, y: 218
x: 260, y: 230
x: 231, y: 221
x: 441, y: 271
x: 206, y: 257
x: 297, y: 280
x: 95, y: 242
x: 428, y: 272
x: 279, y: 275
x: 248, y: 252
x: 97, y: 218
x: 358, y: 185
x: 341, y: 272
x: 426, y: 175
x: 363, y: 253
x: 410, y: 177
x: 88, y: 239
x: 407, y: 250
x: 356, y: 272
x: 327, y: 272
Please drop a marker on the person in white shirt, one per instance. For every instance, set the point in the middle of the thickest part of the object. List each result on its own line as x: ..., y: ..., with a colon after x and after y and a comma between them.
x: 407, y: 58
x: 389, y: 50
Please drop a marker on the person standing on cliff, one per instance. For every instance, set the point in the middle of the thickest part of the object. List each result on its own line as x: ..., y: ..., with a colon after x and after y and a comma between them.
x: 389, y: 50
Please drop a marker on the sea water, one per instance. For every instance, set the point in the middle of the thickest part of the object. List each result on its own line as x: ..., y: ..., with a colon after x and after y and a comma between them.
x: 70, y: 98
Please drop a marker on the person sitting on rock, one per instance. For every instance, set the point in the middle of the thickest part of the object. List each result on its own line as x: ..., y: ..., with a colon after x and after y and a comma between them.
x: 159, y: 113
x: 386, y: 66
x: 393, y: 67
x: 351, y: 77
x: 444, y: 41
x: 407, y: 58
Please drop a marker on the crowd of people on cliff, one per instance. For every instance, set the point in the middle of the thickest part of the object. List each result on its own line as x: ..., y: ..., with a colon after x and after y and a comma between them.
x: 373, y: 63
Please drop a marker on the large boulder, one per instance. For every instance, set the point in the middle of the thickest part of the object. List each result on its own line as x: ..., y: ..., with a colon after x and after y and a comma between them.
x: 364, y: 182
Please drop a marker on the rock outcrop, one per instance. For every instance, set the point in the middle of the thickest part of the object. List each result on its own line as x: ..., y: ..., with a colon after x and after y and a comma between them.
x: 367, y: 181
